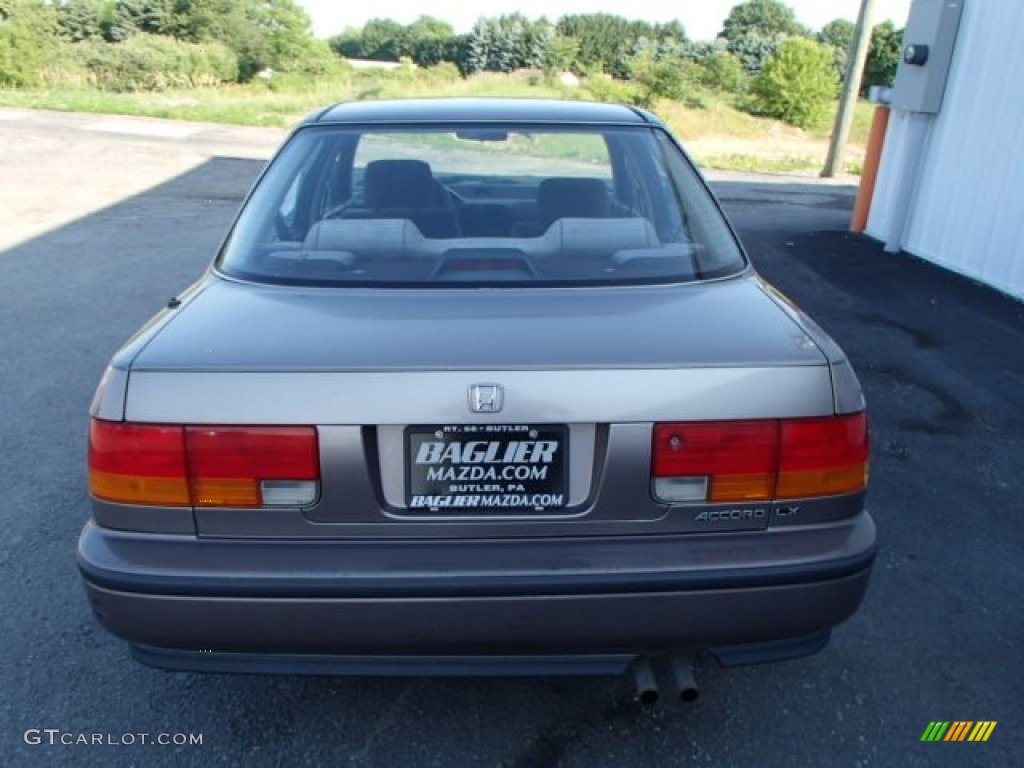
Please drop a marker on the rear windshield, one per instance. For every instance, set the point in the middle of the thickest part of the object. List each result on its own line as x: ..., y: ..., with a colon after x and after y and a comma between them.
x: 485, y: 205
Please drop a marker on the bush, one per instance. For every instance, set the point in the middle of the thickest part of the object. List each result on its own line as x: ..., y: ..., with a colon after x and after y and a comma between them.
x: 721, y: 71
x: 318, y: 60
x: 661, y: 77
x: 28, y: 41
x: 797, y: 85
x: 601, y: 87
x: 444, y: 73
x: 153, y: 63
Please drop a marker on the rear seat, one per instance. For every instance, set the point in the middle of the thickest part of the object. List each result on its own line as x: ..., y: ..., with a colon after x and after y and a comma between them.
x: 574, y: 236
x: 406, y: 189
x: 367, y: 238
x: 400, y: 238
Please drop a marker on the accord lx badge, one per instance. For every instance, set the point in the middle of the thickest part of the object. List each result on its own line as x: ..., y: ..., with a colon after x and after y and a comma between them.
x: 486, y: 398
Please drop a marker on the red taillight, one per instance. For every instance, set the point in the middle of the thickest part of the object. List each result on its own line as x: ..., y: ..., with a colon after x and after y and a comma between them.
x: 202, y: 466
x: 739, y: 458
x: 822, y: 457
x: 227, y: 464
x: 138, y: 463
x: 740, y: 461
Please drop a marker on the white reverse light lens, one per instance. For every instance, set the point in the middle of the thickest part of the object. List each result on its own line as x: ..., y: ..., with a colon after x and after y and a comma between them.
x: 288, y: 493
x: 680, y: 489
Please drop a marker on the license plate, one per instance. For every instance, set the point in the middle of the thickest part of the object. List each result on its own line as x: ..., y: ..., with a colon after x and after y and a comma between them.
x: 486, y: 467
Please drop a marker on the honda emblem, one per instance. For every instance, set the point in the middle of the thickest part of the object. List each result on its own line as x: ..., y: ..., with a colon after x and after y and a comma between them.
x: 486, y: 398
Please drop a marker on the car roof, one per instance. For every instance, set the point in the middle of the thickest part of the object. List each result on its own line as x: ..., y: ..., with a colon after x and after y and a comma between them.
x: 483, y: 110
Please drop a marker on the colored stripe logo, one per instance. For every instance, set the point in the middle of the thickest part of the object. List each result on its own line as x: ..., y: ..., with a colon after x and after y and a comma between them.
x: 959, y: 730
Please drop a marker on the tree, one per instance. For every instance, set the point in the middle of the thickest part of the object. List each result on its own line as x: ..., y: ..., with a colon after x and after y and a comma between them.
x: 670, y: 30
x: 536, y: 42
x: 430, y: 41
x: 188, y: 20
x: 28, y: 40
x: 83, y: 19
x: 797, y: 84
x: 198, y: 20
x: 767, y: 18
x: 258, y: 34
x: 286, y: 32
x: 697, y: 50
x: 665, y: 76
x: 262, y: 33
x: 721, y: 71
x: 838, y: 33
x: 481, y: 43
x: 606, y: 42
x: 752, y: 49
x: 125, y: 21
x: 348, y: 44
x: 561, y: 54
x: 384, y: 40
x: 883, y: 55
x: 507, y: 43
x: 460, y: 50
x: 427, y: 41
x: 429, y: 27
x: 754, y: 29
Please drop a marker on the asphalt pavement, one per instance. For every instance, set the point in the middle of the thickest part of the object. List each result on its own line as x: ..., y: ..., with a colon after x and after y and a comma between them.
x: 103, y: 219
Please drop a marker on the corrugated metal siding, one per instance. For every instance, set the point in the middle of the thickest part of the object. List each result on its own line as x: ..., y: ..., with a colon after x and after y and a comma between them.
x: 968, y: 210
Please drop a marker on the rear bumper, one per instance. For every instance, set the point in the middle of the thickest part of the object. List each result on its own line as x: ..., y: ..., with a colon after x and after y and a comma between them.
x: 345, y: 607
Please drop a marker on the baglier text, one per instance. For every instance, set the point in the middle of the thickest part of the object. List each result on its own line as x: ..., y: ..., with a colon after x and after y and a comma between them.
x: 488, y: 452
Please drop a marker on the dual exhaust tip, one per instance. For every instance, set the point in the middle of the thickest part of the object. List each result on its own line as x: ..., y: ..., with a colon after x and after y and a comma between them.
x: 680, y: 673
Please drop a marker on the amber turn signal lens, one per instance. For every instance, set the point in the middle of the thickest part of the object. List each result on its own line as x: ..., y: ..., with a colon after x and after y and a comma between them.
x: 138, y: 463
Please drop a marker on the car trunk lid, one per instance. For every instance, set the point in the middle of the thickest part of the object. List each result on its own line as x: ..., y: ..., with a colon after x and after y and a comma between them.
x: 243, y: 327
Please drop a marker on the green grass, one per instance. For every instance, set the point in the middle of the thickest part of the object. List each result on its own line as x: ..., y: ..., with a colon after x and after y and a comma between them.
x: 863, y: 114
x: 239, y: 106
x: 278, y: 103
x: 862, y: 118
x: 759, y: 164
x: 771, y: 164
x: 719, y: 117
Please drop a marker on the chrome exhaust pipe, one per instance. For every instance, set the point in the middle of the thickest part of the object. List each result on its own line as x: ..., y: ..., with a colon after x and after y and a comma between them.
x: 646, y: 683
x: 682, y: 677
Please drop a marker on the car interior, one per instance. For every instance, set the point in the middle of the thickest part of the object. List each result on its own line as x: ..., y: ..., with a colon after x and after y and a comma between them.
x: 395, y: 220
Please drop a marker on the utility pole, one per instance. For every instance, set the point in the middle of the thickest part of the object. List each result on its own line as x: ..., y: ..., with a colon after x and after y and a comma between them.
x: 851, y: 85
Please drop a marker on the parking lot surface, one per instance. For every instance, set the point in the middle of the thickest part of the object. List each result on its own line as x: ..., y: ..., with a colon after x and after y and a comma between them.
x: 102, y: 220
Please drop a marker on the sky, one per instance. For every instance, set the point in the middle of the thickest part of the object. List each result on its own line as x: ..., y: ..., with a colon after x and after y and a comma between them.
x: 701, y: 18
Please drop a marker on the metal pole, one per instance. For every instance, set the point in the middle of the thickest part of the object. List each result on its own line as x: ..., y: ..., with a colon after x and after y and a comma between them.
x: 851, y: 85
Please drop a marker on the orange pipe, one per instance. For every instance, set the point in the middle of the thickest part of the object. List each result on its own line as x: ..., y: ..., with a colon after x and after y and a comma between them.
x: 869, y: 174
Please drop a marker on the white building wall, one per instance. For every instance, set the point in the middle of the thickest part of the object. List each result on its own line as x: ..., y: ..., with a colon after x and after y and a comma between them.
x: 967, y: 212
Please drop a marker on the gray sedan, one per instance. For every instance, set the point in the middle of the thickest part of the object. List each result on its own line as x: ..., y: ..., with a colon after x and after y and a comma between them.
x: 477, y: 387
